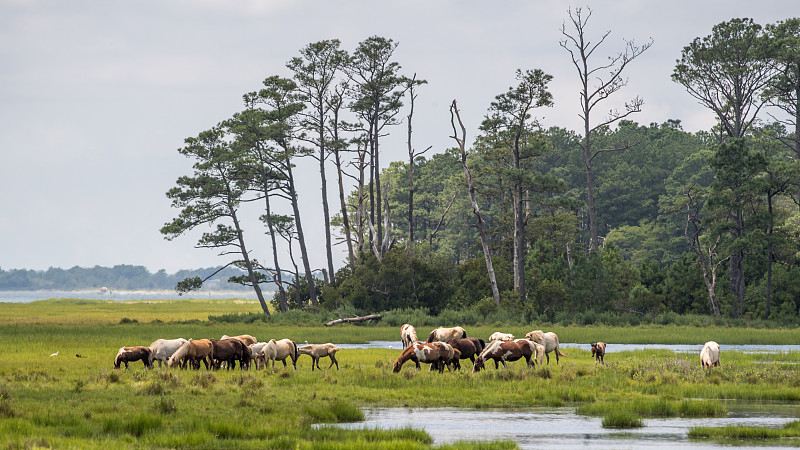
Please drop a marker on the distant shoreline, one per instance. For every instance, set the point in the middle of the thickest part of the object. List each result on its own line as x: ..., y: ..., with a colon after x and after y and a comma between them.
x: 27, y: 296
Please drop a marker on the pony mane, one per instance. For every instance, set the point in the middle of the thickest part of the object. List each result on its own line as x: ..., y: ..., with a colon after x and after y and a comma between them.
x: 180, y: 353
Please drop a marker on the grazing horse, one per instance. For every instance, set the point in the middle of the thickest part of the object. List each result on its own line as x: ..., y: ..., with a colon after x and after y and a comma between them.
x: 194, y: 350
x: 548, y: 340
x: 130, y: 354
x: 468, y: 348
x: 502, y: 351
x: 709, y: 355
x: 245, y: 338
x: 498, y: 336
x: 317, y: 351
x: 537, y: 351
x: 280, y: 350
x: 429, y: 353
x: 443, y: 334
x: 255, y: 349
x: 408, y: 335
x: 599, y: 351
x: 164, y: 348
x: 229, y: 351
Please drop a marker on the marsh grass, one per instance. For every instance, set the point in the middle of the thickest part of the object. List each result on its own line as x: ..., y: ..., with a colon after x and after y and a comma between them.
x: 69, y: 402
x: 622, y: 419
x: 659, y: 407
x: 729, y: 433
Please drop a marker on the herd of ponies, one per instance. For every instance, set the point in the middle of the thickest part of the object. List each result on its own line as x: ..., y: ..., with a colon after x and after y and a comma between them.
x: 445, y: 347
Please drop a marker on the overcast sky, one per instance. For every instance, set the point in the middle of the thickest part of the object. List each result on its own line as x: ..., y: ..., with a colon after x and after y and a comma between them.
x: 96, y: 98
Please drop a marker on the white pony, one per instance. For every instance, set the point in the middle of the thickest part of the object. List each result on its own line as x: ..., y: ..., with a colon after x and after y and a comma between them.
x: 162, y: 349
x: 548, y: 340
x: 280, y: 350
x: 498, y: 336
x: 408, y: 335
x: 443, y: 334
x: 317, y: 351
x: 709, y: 355
x: 255, y: 349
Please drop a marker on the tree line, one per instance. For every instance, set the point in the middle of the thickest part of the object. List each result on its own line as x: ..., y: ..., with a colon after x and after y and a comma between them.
x: 618, y: 216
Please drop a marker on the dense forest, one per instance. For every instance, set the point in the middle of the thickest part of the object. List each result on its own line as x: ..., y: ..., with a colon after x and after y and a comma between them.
x: 119, y: 277
x: 617, y: 218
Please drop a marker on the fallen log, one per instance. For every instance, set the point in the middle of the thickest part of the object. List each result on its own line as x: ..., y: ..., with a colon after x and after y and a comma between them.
x: 354, y: 319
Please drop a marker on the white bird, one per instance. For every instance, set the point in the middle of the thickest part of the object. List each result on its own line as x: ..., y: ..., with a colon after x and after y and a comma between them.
x: 56, y: 353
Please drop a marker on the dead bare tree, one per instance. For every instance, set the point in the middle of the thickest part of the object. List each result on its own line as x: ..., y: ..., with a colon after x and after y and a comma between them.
x: 412, y: 155
x: 581, y: 51
x: 461, y: 140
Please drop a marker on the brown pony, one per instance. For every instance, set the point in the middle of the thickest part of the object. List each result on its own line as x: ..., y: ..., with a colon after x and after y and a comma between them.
x: 229, y: 351
x: 502, y: 351
x: 469, y: 348
x: 428, y: 353
x: 194, y: 350
x: 130, y: 354
x: 599, y: 351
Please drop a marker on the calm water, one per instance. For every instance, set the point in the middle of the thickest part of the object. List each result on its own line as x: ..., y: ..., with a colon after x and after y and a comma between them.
x: 561, y: 428
x: 31, y: 296
x: 613, y: 348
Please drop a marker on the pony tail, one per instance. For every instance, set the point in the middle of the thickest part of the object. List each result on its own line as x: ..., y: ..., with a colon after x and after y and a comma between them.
x: 431, y: 336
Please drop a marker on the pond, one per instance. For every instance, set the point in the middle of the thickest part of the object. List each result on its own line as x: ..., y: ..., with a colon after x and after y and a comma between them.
x: 562, y: 428
x: 614, y: 348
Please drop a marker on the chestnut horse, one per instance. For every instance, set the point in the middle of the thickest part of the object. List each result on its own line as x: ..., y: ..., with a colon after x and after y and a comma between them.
x: 469, y: 348
x: 229, y: 351
x: 709, y: 355
x: 194, y: 350
x: 130, y: 354
x: 429, y: 353
x: 502, y: 351
x: 599, y: 352
x: 408, y: 335
x: 443, y: 334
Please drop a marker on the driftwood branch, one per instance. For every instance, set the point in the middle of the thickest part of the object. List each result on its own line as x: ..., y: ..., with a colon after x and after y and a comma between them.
x: 368, y: 318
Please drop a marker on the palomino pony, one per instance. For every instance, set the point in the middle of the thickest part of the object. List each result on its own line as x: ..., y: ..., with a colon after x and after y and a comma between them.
x: 502, y: 351
x: 164, y: 348
x: 255, y: 349
x: 548, y: 340
x: 468, y: 348
x: 408, y: 335
x: 130, y: 354
x: 194, y: 350
x: 245, y: 338
x: 280, y: 350
x: 443, y: 334
x: 437, y: 353
x: 599, y: 352
x: 317, y: 351
x: 709, y: 355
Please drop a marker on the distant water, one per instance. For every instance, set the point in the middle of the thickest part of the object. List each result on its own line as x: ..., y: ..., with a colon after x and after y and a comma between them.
x: 31, y: 296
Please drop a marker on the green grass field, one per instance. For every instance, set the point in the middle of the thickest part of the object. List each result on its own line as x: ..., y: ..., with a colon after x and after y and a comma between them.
x: 67, y: 401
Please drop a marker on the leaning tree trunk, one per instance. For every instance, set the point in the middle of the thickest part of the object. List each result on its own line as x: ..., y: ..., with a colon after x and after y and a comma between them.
x: 475, y: 209
x: 284, y: 302
x: 312, y: 289
x: 247, y: 263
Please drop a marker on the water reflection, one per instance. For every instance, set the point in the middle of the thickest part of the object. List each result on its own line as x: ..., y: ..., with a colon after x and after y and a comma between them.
x: 558, y: 427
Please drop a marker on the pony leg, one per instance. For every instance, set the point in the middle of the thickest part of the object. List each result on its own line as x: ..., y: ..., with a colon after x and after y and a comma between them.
x: 333, y: 360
